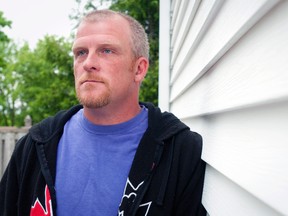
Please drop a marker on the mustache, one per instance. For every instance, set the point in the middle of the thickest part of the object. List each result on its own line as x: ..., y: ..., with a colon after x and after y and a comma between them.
x: 91, y: 78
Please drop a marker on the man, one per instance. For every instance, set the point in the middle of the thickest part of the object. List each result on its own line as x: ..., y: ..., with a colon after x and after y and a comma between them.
x: 111, y: 154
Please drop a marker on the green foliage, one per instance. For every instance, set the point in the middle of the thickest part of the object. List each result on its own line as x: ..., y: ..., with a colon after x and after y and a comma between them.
x: 3, y: 40
x: 7, y: 78
x: 47, y: 83
x: 8, y: 83
x: 3, y: 23
x: 37, y: 82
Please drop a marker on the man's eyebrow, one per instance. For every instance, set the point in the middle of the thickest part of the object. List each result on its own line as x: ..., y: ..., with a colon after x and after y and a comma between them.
x: 78, y: 45
x: 76, y: 48
x: 113, y: 45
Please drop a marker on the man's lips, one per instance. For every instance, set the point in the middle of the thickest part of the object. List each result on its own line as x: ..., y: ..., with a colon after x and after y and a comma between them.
x: 92, y: 81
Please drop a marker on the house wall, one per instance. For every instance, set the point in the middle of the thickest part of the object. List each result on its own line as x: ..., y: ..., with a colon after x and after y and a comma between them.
x: 224, y: 72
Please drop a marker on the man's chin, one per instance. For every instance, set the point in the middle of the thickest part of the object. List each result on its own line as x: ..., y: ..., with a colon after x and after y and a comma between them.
x: 93, y: 103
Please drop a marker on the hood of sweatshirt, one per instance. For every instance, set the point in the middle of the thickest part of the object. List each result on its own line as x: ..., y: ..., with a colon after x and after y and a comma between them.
x: 161, y: 125
x: 45, y: 130
x: 155, y: 150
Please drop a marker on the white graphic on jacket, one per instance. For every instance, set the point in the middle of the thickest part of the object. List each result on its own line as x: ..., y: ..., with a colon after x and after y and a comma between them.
x: 38, y: 210
x: 130, y: 193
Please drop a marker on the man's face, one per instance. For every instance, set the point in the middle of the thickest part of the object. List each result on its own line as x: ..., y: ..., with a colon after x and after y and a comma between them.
x: 104, y: 63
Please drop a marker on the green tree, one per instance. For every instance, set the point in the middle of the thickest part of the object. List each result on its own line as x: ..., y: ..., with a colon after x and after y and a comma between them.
x: 4, y: 23
x: 7, y: 103
x: 8, y: 86
x: 47, y: 83
x: 38, y: 82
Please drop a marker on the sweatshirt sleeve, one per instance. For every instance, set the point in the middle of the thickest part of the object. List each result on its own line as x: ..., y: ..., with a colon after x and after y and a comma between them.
x: 9, y: 190
x: 190, y: 199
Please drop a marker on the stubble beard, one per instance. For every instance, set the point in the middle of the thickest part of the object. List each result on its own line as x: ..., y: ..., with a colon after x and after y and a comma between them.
x: 87, y: 99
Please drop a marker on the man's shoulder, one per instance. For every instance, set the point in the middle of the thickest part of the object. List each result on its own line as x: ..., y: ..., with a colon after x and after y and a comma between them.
x: 47, y: 127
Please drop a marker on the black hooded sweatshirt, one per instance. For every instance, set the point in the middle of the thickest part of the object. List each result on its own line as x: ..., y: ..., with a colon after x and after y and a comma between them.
x: 166, y: 176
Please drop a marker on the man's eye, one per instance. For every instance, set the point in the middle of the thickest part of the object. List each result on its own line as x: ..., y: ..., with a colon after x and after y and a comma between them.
x: 107, y: 51
x: 81, y: 53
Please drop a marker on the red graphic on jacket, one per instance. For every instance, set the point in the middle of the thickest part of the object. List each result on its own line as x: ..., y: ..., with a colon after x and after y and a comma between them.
x: 38, y: 210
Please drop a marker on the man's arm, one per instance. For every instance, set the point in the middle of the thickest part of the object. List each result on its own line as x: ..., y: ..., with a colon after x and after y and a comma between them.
x: 189, y: 201
x: 9, y: 190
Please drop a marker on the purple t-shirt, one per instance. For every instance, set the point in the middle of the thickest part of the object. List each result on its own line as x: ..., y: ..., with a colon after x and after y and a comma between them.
x: 93, y: 163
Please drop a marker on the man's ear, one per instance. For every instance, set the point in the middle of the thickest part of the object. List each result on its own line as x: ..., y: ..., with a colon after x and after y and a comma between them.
x: 141, y: 68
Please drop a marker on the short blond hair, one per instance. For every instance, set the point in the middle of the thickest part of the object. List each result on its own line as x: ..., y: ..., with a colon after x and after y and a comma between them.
x: 139, y: 40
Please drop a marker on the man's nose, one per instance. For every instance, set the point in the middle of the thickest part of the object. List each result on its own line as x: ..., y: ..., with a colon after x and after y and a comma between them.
x: 91, y: 63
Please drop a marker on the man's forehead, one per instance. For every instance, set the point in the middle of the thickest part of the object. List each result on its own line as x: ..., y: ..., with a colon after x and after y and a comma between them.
x: 95, y: 40
x: 107, y: 26
x: 102, y: 31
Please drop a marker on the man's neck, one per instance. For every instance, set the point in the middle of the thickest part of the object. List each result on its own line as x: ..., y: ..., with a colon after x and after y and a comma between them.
x: 109, y: 116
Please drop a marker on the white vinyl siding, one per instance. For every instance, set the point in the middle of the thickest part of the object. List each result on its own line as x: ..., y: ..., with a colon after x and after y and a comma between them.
x: 225, y: 74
